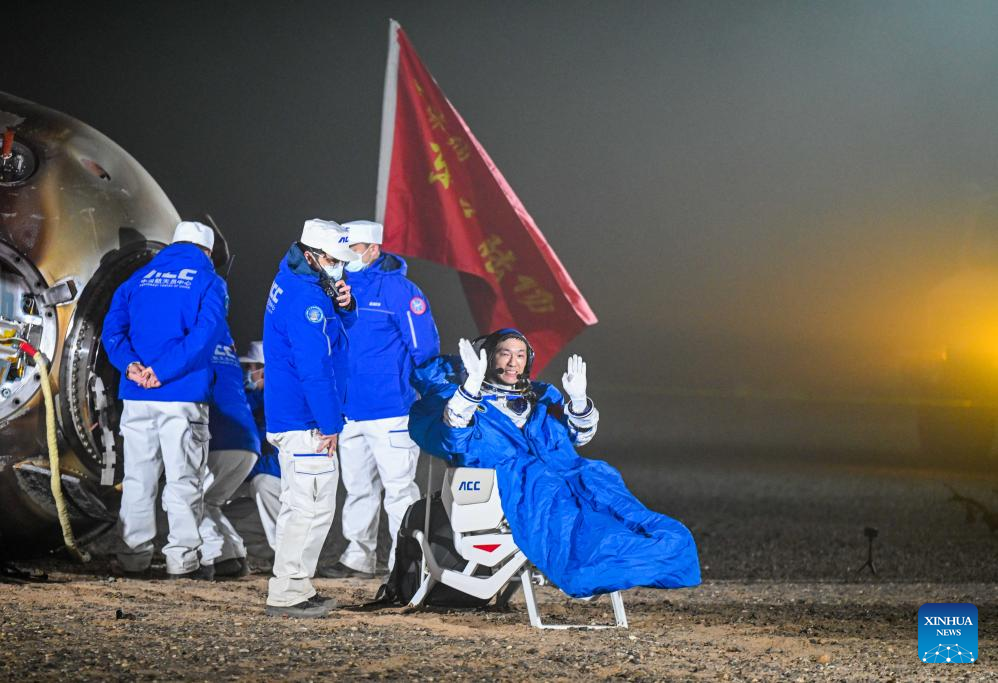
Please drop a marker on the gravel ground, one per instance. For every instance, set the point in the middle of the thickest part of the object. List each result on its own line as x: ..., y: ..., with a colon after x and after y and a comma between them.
x: 780, y: 532
x: 70, y: 628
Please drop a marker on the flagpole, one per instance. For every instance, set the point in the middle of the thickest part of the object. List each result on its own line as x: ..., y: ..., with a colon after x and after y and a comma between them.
x: 387, y: 120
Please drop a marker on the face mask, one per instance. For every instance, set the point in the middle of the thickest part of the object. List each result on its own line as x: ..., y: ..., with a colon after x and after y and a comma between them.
x: 334, y: 272
x: 249, y: 382
x: 358, y: 265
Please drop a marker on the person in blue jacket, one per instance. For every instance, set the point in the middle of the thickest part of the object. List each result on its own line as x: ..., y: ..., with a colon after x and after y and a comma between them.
x: 160, y: 332
x: 265, y: 477
x: 255, y: 505
x: 306, y: 348
x: 232, y: 453
x: 394, y: 333
x: 573, y: 518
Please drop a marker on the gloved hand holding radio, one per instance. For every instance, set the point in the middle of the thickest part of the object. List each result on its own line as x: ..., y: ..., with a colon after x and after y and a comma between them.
x: 574, y: 382
x: 475, y: 365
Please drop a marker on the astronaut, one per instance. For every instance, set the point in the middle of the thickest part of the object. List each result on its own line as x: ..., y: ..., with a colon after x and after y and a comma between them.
x: 573, y: 517
x: 232, y: 452
x: 160, y: 332
x: 305, y: 344
x: 394, y: 333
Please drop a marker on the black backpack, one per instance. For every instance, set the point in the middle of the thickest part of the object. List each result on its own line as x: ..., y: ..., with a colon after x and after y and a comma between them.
x: 406, y: 576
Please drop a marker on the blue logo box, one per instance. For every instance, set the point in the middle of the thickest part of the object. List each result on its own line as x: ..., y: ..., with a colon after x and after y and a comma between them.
x: 947, y: 633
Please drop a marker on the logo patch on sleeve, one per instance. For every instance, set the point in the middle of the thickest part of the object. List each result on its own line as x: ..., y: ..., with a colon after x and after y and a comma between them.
x: 417, y: 305
x: 314, y: 314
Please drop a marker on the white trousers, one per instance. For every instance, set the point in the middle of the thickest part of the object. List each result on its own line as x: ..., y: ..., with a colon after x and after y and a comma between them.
x: 171, y: 436
x: 376, y: 456
x: 308, y: 503
x: 253, y: 511
x: 227, y: 469
x: 267, y: 493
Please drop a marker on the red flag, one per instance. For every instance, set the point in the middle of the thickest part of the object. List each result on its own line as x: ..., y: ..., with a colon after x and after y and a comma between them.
x: 441, y: 198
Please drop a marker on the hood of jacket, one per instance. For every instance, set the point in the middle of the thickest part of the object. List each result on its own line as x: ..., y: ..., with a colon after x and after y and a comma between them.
x: 182, y: 254
x: 385, y: 265
x: 294, y: 263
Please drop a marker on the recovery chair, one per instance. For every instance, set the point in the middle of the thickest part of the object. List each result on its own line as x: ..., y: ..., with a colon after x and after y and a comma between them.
x: 483, y: 538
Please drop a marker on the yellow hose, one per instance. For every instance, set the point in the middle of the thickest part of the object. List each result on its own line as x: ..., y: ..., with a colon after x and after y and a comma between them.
x: 60, y: 501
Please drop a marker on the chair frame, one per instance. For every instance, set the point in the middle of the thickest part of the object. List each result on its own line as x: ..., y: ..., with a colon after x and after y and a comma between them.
x: 515, y: 570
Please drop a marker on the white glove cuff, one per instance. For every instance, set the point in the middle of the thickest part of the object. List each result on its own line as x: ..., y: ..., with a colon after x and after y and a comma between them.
x: 473, y: 386
x: 579, y: 406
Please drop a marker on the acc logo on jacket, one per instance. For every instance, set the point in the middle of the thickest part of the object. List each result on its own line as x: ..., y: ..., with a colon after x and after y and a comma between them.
x: 156, y: 278
x: 225, y: 354
x: 314, y: 314
x: 417, y: 305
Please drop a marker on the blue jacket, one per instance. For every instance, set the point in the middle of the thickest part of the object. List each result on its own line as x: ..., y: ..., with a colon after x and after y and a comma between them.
x: 268, y: 462
x: 574, y: 518
x: 305, y: 344
x: 168, y: 315
x: 229, y: 419
x: 394, y: 333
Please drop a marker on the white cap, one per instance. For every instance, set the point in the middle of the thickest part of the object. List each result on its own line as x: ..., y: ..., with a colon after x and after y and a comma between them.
x: 255, y: 353
x: 198, y: 233
x: 367, y: 232
x: 330, y: 237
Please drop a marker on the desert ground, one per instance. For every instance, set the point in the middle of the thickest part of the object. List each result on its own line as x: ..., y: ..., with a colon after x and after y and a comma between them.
x: 780, y: 533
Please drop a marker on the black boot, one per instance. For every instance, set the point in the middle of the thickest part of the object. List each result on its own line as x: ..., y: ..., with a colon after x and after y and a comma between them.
x: 232, y: 568
x: 204, y: 572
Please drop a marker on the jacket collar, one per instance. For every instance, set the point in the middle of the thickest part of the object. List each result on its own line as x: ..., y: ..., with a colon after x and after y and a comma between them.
x: 295, y: 263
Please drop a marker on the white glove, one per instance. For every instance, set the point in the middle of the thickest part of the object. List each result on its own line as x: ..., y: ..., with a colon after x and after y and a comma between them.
x: 574, y: 381
x: 475, y: 365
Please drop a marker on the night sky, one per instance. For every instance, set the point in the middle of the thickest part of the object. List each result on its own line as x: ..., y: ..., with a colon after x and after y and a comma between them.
x: 754, y: 197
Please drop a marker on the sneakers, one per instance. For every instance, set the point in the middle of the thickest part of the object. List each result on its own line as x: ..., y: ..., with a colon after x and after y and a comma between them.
x: 233, y: 568
x: 204, y: 572
x: 313, y: 608
x: 325, y: 600
x: 117, y: 570
x: 341, y: 571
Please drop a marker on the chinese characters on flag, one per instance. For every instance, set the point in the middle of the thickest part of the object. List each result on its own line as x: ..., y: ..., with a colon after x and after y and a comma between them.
x: 441, y: 198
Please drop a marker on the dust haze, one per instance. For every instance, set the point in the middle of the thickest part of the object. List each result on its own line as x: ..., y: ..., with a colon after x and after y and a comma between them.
x: 771, y: 202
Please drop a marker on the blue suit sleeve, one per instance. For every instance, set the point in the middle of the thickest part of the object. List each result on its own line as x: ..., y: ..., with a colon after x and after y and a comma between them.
x: 194, y: 352
x: 428, y: 429
x: 114, y: 334
x: 416, y: 325
x: 312, y: 349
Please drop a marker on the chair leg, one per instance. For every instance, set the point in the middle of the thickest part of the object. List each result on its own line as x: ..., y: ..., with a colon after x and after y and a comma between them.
x: 535, y: 617
x: 528, y: 596
x: 419, y: 597
x: 431, y: 562
x: 618, y: 609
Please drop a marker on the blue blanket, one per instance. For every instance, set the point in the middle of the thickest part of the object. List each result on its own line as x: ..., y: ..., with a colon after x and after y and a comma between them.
x: 574, y: 518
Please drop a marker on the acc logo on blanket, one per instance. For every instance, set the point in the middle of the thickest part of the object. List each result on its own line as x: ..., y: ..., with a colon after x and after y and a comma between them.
x: 417, y: 305
x: 947, y: 633
x: 314, y: 314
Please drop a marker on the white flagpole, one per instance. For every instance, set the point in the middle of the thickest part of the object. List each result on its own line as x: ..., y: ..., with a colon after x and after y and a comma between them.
x: 387, y: 120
